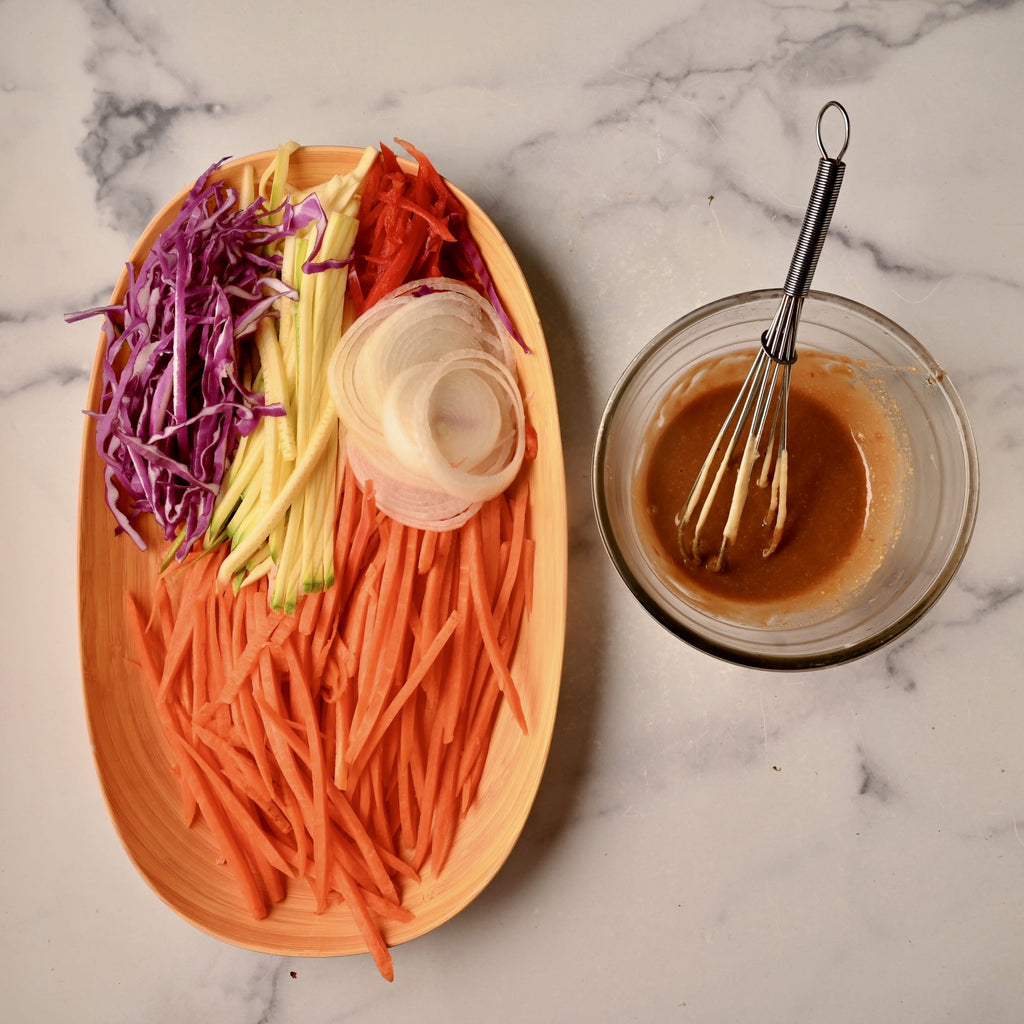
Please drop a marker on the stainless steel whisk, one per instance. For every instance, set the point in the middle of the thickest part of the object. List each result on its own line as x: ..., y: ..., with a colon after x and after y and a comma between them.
x: 763, y: 400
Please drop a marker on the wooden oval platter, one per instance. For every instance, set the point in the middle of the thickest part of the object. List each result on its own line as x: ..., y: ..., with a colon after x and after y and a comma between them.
x: 133, y: 759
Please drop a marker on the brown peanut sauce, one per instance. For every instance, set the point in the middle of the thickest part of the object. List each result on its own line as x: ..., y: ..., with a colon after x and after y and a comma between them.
x: 844, y: 468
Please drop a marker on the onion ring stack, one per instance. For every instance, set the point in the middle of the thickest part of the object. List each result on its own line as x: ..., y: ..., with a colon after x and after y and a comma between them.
x: 425, y: 386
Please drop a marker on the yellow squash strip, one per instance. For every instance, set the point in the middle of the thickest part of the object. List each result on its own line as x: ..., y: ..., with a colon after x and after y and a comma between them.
x: 278, y: 503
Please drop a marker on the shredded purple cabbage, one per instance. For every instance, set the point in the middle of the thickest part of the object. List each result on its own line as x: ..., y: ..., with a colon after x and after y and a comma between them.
x: 173, y: 405
x: 476, y: 261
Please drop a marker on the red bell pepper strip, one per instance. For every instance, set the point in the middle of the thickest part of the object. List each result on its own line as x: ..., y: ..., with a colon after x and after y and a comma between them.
x: 412, y: 226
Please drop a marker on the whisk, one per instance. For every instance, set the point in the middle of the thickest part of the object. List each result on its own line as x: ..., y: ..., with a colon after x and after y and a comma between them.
x: 763, y: 400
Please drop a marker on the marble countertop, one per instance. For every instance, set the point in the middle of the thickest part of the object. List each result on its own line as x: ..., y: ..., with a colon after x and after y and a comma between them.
x: 709, y: 843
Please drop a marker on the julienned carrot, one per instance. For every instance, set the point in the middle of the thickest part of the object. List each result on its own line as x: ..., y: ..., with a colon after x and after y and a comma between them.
x: 179, y: 642
x: 484, y: 612
x: 341, y: 745
x: 409, y: 687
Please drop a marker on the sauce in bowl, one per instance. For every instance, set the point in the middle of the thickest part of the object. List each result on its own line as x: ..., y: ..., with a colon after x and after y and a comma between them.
x: 846, y: 473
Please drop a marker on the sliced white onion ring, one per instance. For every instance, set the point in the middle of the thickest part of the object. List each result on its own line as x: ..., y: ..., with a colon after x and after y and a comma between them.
x: 425, y: 384
x: 424, y: 411
x: 403, y: 499
x: 463, y: 418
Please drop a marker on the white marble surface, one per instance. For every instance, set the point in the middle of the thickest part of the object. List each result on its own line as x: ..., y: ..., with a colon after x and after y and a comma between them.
x: 710, y: 844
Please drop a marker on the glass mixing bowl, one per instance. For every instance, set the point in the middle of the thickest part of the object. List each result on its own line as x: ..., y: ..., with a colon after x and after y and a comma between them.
x: 939, y: 503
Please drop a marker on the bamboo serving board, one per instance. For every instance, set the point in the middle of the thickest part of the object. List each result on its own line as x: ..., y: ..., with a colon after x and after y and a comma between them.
x: 132, y: 759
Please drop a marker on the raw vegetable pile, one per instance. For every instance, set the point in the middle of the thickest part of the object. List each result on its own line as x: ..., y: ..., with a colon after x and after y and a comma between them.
x: 314, y: 394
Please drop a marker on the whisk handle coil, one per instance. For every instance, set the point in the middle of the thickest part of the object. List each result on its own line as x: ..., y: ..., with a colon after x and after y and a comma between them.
x: 818, y: 216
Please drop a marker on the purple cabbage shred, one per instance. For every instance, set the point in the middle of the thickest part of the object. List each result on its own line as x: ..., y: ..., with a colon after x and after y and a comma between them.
x: 173, y: 404
x: 479, y: 268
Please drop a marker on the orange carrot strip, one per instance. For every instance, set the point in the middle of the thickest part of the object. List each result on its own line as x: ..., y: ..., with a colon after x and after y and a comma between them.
x: 309, y: 611
x: 363, y: 663
x: 417, y: 752
x: 256, y: 742
x: 477, y: 739
x: 387, y: 557
x: 342, y: 721
x: 344, y: 850
x: 484, y: 617
x: 403, y: 597
x: 302, y: 700
x: 480, y: 678
x: 374, y: 857
x: 488, y: 523
x: 427, y: 549
x: 444, y: 755
x: 406, y: 815
x: 414, y: 626
x: 434, y: 601
x: 273, y: 881
x: 325, y: 707
x: 347, y: 510
x: 484, y: 706
x: 462, y: 660
x: 361, y: 795
x: 291, y: 754
x: 217, y: 818
x: 150, y: 653
x: 470, y: 781
x: 193, y: 683
x: 224, y: 631
x: 389, y: 630
x: 263, y: 624
x: 436, y: 748
x: 515, y: 549
x: 215, y: 675
x: 240, y: 769
x: 251, y: 836
x: 338, y: 668
x: 365, y: 527
x: 411, y: 772
x: 368, y: 929
x: 445, y: 815
x: 180, y: 640
x: 289, y: 743
x: 236, y: 766
x: 325, y: 629
x: 354, y: 628
x: 397, y: 702
x: 291, y: 807
x: 399, y: 867
x: 282, y: 741
x: 382, y: 831
x: 151, y: 650
x: 387, y: 909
